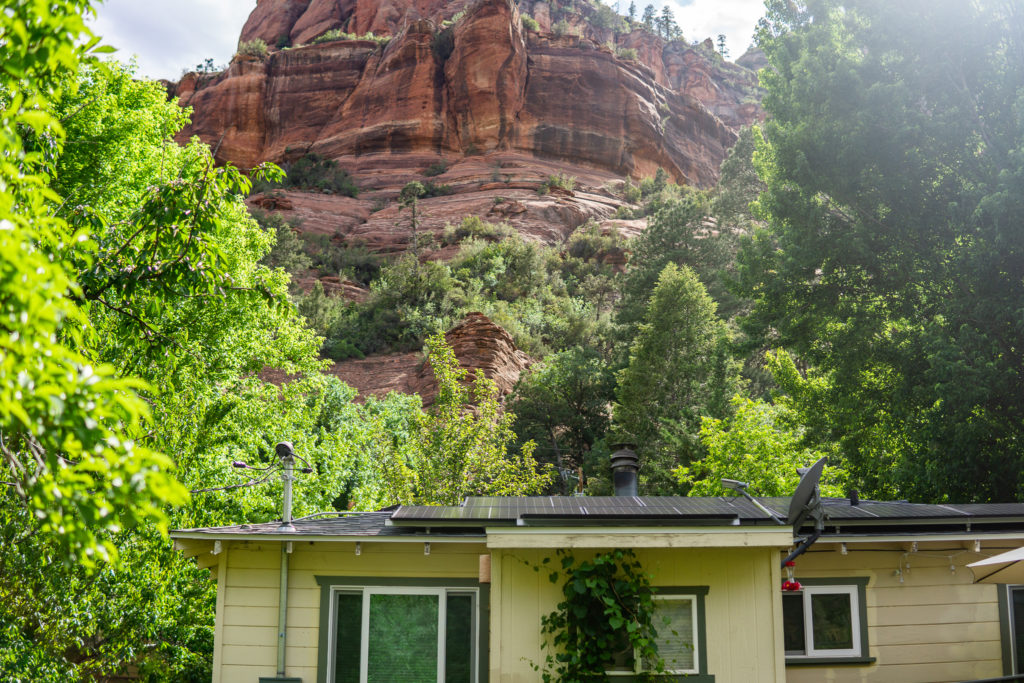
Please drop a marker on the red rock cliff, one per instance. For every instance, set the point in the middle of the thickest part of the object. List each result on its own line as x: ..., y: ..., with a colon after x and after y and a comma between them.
x: 486, y: 85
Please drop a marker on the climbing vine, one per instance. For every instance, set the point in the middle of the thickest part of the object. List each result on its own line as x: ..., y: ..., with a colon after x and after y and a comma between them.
x: 604, y: 620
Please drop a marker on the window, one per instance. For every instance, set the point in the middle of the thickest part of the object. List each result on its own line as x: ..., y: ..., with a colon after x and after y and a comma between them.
x: 399, y: 632
x: 825, y: 620
x: 679, y: 620
x: 1011, y: 615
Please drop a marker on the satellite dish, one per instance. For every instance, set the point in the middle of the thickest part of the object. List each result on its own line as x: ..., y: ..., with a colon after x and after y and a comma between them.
x: 806, y: 498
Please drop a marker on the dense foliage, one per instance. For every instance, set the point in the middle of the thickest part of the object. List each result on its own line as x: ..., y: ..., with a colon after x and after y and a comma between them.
x: 604, y: 619
x: 141, y: 306
x: 894, y: 170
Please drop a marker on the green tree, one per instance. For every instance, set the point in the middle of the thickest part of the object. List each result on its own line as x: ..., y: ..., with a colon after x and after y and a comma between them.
x: 648, y: 18
x: 760, y: 443
x: 461, y: 446
x: 667, y: 26
x: 409, y: 198
x: 894, y: 175
x: 562, y: 405
x: 68, y: 426
x: 158, y: 298
x: 679, y: 233
x: 288, y: 253
x: 679, y: 370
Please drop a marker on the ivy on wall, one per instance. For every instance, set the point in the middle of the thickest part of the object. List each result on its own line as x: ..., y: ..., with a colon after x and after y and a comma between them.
x: 604, y: 621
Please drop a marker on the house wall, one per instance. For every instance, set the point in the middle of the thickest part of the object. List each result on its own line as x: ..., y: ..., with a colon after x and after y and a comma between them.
x: 937, y: 625
x: 245, y: 644
x: 743, y: 607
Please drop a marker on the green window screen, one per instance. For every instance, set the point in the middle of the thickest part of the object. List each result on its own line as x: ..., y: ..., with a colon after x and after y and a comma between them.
x: 793, y: 623
x: 458, y: 638
x: 832, y: 621
x: 674, y: 621
x: 402, y: 638
x: 348, y: 627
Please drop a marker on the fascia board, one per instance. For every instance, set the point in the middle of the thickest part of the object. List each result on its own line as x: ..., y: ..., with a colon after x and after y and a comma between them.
x: 641, y: 537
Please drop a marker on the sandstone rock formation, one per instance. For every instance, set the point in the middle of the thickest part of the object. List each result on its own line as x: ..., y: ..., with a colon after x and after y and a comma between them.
x: 478, y: 343
x: 491, y: 87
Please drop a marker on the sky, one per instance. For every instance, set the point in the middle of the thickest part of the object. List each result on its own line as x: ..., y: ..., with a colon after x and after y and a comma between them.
x: 169, y: 36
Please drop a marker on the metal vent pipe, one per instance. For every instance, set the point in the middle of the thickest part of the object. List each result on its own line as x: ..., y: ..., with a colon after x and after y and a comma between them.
x: 625, y: 465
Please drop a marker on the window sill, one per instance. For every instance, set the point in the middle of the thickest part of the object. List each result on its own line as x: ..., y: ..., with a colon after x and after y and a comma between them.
x: 828, y: 661
x: 688, y: 678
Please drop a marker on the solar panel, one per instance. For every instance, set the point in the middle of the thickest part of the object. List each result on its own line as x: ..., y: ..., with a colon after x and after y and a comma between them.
x: 509, y: 510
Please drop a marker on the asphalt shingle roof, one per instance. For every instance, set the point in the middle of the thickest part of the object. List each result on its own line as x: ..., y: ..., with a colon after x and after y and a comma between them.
x: 470, y: 518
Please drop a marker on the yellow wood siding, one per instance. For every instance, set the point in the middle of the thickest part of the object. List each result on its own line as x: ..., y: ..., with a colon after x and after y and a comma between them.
x: 935, y: 626
x: 246, y: 637
x: 742, y: 606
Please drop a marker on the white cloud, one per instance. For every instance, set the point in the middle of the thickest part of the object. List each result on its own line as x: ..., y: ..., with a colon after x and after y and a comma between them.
x: 700, y: 19
x: 169, y: 35
x: 737, y: 19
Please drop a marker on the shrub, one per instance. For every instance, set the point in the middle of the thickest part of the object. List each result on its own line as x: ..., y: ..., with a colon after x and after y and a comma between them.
x: 315, y: 173
x: 332, y: 35
x: 589, y: 243
x: 337, y: 34
x: 475, y: 227
x: 352, y: 261
x: 288, y: 252
x: 627, y: 53
x: 561, y: 28
x: 606, y: 17
x: 436, y: 169
x: 631, y: 192
x: 561, y: 180
x: 253, y: 48
x: 432, y: 190
x: 530, y: 24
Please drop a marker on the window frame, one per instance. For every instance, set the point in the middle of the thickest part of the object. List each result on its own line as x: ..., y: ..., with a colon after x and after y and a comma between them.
x: 1013, y: 659
x: 332, y: 586
x: 699, y: 675
x: 856, y: 588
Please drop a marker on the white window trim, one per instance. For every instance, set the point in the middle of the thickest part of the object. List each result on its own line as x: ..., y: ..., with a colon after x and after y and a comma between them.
x: 637, y: 659
x: 695, y: 633
x: 812, y: 652
x: 364, y: 640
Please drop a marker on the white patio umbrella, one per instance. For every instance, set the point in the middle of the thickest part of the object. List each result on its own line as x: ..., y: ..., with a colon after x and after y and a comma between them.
x: 1006, y: 567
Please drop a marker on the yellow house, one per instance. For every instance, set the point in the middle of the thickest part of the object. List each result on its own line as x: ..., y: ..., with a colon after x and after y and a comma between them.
x: 884, y: 594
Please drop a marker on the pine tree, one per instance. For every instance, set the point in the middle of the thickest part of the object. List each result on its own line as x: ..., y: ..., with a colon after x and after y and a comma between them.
x: 679, y: 370
x: 667, y: 23
x: 648, y: 18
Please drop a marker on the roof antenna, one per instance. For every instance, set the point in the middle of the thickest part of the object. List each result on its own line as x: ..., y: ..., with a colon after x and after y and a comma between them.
x: 741, y: 488
x: 806, y: 503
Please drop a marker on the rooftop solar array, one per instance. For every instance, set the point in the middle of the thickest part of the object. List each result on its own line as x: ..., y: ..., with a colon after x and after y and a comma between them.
x: 360, y: 524
x: 476, y: 513
x: 510, y: 510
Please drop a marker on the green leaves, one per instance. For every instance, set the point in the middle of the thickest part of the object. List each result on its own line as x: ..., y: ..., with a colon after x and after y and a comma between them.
x: 461, y: 444
x: 606, y: 614
x: 679, y: 370
x: 890, y: 264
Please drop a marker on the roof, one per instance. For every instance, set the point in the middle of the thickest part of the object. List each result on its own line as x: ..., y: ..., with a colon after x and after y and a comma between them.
x: 615, y: 510
x: 324, y: 525
x: 469, y: 521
